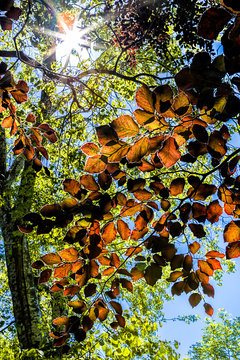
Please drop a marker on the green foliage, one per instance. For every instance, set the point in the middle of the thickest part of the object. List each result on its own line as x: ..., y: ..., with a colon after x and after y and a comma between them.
x: 220, y: 339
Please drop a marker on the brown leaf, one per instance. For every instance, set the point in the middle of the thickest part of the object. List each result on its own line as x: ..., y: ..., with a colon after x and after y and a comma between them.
x: 126, y: 284
x: 177, y: 186
x: 136, y: 273
x: 95, y: 164
x: 123, y: 229
x: 104, y: 180
x: 198, y: 231
x: 89, y: 182
x: 90, y: 289
x: 205, y: 267
x: 212, y: 22
x: 144, y: 98
x: 213, y: 254
x: 70, y: 254
x: 117, y: 307
x: 142, y: 195
x: 71, y: 290
x: 208, y: 289
x: 188, y: 263
x: 125, y: 126
x: 50, y: 210
x: 121, y: 320
x: 45, y: 276
x: 208, y: 309
x: 153, y: 273
x: 56, y: 288
x: 204, y: 191
x: 232, y: 231
x: 109, y: 233
x: 178, y: 288
x: 106, y: 134
x: 214, y: 211
x: 90, y: 149
x: 62, y: 270
x: 71, y: 186
x: 138, y: 150
x: 194, y: 299
x: 169, y: 154
x: 233, y: 250
x: 194, y: 247
x: 51, y: 259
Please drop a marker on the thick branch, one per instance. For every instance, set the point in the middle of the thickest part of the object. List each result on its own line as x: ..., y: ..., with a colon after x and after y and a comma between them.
x: 66, y: 79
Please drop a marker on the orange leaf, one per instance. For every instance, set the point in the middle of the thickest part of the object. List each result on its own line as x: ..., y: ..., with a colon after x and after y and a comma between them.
x: 215, y: 264
x: 194, y: 247
x: 108, y: 271
x: 95, y: 164
x: 144, y: 98
x: 169, y: 154
x: 138, y: 150
x: 232, y: 231
x: 123, y: 229
x: 208, y: 309
x: 63, y: 320
x: 7, y: 122
x: 213, y: 254
x: 142, y: 195
x: 71, y: 290
x: 69, y: 254
x: 233, y: 250
x: 51, y: 259
x: 125, y: 126
x: 90, y: 149
x: 114, y: 260
x: 89, y: 182
x: 133, y: 251
x: 214, y: 211
x: 205, y: 267
x: 208, y: 289
x: 62, y: 271
x: 71, y: 186
x: 109, y: 233
x: 177, y: 186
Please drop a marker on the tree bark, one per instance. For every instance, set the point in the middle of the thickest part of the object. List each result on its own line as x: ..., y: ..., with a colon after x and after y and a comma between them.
x: 20, y: 277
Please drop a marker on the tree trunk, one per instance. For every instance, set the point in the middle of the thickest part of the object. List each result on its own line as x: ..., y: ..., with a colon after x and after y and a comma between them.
x: 20, y: 278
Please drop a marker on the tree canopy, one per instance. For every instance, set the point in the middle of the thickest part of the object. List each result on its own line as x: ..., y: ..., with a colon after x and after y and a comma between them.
x: 119, y: 165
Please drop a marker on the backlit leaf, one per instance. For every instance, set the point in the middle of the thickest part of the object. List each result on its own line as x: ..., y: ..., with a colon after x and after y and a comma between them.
x: 62, y: 270
x: 169, y: 154
x: 89, y: 182
x: 194, y: 247
x: 233, y: 250
x: 109, y: 233
x: 125, y: 126
x: 71, y: 290
x: 138, y: 150
x: 214, y: 211
x: 63, y: 320
x: 90, y: 149
x: 232, y: 231
x: 144, y: 98
x: 70, y: 254
x: 177, y: 186
x: 205, y: 267
x: 51, y: 259
x: 214, y: 253
x: 95, y: 164
x: 142, y: 195
x: 215, y: 264
x: 116, y: 306
x: 123, y: 229
x: 208, y: 309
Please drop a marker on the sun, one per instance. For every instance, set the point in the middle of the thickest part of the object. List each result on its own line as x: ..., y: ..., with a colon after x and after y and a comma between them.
x: 71, y: 37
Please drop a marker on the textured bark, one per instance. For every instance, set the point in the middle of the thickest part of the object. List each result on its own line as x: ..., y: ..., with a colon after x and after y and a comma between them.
x: 20, y: 278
